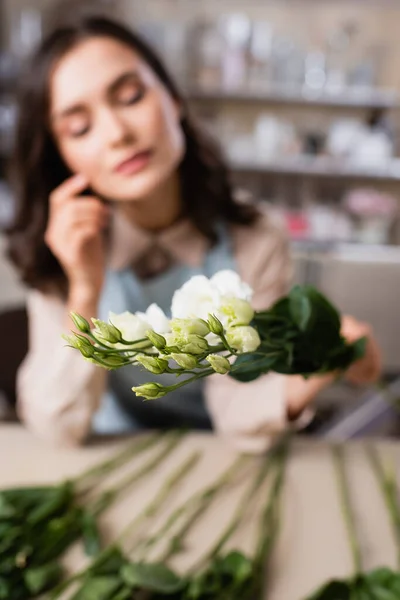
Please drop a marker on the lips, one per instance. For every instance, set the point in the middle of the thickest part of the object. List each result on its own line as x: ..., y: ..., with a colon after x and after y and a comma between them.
x: 134, y: 163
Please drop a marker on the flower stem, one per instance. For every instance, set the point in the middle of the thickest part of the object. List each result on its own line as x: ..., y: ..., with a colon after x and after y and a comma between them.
x: 106, y: 467
x: 200, y: 505
x: 149, y: 511
x: 270, y: 519
x: 346, y: 507
x: 195, y: 505
x: 388, y: 484
x: 109, y: 496
x: 240, y: 512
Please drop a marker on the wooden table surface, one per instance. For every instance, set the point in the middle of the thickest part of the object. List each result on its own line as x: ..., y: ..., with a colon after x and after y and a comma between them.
x: 312, y: 545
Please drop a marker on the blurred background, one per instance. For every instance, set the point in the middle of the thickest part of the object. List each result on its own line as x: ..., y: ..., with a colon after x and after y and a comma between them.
x: 304, y: 96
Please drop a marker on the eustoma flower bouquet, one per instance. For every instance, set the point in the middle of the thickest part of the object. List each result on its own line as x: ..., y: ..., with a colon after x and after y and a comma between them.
x: 214, y: 329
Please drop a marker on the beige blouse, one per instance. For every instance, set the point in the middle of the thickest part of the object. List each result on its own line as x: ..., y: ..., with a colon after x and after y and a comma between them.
x: 59, y: 392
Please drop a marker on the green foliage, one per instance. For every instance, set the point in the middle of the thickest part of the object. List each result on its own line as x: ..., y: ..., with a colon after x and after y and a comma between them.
x: 300, y: 335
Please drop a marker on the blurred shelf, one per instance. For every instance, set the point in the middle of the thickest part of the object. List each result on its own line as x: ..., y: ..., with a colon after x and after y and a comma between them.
x: 357, y: 98
x: 322, y: 167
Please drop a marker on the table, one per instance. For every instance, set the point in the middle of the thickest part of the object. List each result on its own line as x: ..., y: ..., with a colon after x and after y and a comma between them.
x: 312, y: 545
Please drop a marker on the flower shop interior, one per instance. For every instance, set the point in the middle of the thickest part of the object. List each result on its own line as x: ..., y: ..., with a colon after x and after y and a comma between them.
x: 303, y: 97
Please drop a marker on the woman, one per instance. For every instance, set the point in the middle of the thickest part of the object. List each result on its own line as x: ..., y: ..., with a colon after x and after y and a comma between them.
x: 122, y: 199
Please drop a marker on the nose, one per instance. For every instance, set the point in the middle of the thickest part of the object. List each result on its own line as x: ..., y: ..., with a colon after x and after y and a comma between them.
x: 114, y: 128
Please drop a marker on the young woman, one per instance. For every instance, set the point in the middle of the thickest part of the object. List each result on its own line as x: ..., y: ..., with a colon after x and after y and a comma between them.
x: 121, y: 200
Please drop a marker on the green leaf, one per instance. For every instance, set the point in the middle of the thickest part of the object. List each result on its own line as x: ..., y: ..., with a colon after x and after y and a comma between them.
x: 90, y: 533
x: 40, y: 579
x: 152, y: 576
x: 7, y: 509
x: 61, y: 497
x: 99, y: 588
x: 248, y: 367
x: 236, y: 565
x: 300, y: 307
x: 334, y: 590
x: 109, y: 562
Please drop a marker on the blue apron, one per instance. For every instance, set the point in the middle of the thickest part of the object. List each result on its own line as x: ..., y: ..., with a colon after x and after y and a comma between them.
x: 120, y: 410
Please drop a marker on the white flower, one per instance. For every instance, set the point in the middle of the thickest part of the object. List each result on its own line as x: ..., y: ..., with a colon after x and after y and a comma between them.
x: 188, y: 326
x: 156, y: 319
x: 195, y: 299
x: 228, y: 283
x: 243, y: 339
x: 131, y: 326
x: 234, y: 311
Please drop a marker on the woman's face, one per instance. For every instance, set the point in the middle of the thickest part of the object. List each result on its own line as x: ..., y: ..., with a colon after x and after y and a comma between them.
x: 114, y: 121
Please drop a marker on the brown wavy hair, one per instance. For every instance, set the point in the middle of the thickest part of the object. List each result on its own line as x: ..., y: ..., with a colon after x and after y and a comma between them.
x: 39, y: 168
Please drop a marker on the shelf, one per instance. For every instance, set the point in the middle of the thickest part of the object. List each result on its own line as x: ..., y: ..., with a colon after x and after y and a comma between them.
x: 356, y: 98
x: 323, y: 167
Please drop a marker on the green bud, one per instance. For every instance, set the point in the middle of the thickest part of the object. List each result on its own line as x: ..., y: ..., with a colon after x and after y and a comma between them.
x: 150, y: 391
x: 243, y: 338
x: 153, y: 364
x: 189, y: 327
x: 81, y: 343
x: 156, y: 339
x: 220, y: 364
x: 235, y: 312
x: 80, y: 323
x: 215, y: 325
x: 111, y: 362
x: 192, y: 344
x: 108, y: 332
x: 186, y: 361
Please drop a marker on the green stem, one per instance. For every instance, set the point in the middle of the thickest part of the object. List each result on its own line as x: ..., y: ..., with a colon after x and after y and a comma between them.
x: 187, y: 381
x: 388, y: 484
x: 270, y: 519
x: 195, y: 505
x: 149, y: 511
x: 346, y: 508
x: 104, y: 468
x: 240, y: 512
x: 109, y: 496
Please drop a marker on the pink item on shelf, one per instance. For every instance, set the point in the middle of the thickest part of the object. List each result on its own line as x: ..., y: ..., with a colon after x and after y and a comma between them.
x: 366, y: 202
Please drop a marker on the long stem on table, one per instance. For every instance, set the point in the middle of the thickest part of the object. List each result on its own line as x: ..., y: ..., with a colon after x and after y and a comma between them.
x: 195, y: 505
x: 346, y: 508
x: 270, y: 519
x: 101, y: 470
x: 110, y: 495
x: 149, y: 511
x: 239, y: 514
x: 388, y: 483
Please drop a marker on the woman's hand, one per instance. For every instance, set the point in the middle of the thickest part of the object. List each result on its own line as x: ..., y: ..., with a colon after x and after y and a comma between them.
x: 75, y: 236
x: 367, y: 369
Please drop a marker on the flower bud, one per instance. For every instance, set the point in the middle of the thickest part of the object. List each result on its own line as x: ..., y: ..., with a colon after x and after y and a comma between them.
x: 156, y: 339
x: 80, y: 322
x: 112, y: 362
x: 107, y: 332
x: 235, y: 311
x: 153, y: 364
x: 215, y: 325
x: 186, y: 361
x: 150, y: 391
x: 192, y: 344
x: 189, y: 327
x: 81, y: 343
x: 220, y: 364
x: 243, y: 338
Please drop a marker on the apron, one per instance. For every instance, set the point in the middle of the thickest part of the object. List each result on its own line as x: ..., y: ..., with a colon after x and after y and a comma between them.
x: 121, y: 411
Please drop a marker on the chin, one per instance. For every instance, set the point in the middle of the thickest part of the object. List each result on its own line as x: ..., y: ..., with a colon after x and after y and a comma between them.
x: 138, y: 187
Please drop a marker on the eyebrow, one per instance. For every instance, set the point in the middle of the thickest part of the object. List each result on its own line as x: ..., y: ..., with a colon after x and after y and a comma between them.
x: 111, y: 89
